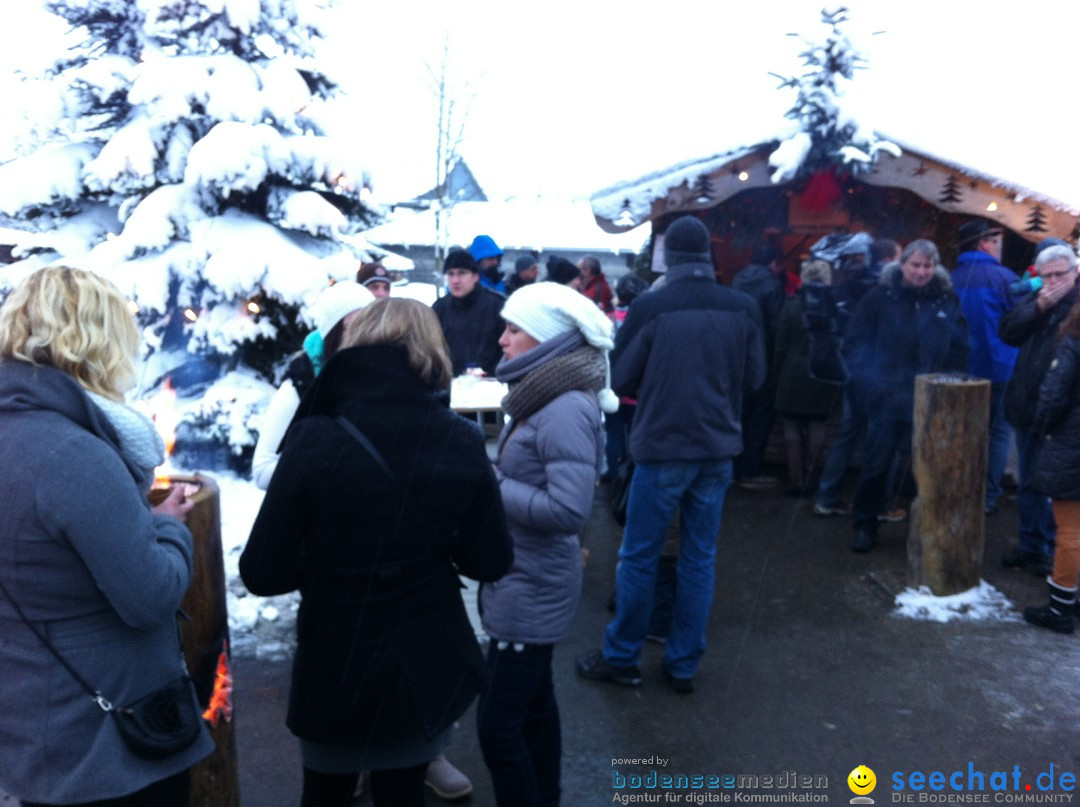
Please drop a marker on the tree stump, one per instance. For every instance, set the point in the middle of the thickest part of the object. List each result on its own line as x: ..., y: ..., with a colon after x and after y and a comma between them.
x: 214, y: 781
x: 949, y: 443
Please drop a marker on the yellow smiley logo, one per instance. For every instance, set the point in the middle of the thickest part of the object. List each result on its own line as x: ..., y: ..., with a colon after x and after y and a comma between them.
x: 861, y: 780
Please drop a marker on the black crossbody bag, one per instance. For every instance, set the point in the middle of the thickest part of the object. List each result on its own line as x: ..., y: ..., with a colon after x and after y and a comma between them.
x: 158, y: 725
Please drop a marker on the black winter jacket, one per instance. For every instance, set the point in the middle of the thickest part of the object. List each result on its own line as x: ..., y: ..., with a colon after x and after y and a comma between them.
x: 1057, y: 417
x: 1035, y: 334
x: 688, y: 352
x: 385, y: 653
x: 761, y: 283
x: 472, y: 326
x: 898, y: 332
x: 797, y: 394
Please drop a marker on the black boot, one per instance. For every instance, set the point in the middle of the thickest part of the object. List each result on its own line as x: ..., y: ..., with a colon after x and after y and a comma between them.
x: 1057, y: 615
x: 862, y: 540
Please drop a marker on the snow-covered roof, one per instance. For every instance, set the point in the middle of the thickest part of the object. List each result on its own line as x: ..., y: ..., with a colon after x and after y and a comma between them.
x: 515, y: 224
x: 941, y: 180
x: 631, y: 203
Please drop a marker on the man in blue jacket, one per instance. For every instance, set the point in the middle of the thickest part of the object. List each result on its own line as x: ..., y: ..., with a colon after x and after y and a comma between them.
x: 488, y: 257
x: 688, y: 352
x: 983, y: 286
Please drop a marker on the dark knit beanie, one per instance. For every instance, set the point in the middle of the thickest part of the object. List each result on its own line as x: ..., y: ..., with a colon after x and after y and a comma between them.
x: 560, y: 270
x: 628, y: 287
x: 460, y: 259
x: 686, y: 241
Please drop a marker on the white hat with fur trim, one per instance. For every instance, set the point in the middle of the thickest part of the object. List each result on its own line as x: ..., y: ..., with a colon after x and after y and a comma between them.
x: 337, y: 301
x: 546, y: 310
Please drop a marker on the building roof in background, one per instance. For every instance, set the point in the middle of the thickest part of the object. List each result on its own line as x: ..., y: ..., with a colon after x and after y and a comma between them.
x: 515, y: 225
x: 462, y: 186
x: 941, y: 180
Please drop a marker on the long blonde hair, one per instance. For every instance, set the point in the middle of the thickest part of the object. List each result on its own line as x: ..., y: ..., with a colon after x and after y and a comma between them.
x: 75, y: 321
x: 411, y: 324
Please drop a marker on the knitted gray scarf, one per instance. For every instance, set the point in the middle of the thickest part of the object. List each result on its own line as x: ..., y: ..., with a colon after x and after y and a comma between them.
x: 582, y: 368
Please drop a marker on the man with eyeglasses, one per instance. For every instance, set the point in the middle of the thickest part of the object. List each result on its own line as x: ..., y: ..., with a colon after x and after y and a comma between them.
x: 1032, y: 326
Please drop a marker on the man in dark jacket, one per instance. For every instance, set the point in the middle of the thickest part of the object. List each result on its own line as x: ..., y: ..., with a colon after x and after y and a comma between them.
x: 526, y: 270
x: 688, y: 352
x: 470, y: 316
x: 1032, y: 326
x: 983, y: 285
x: 763, y: 280
x: 488, y: 256
x: 909, y: 324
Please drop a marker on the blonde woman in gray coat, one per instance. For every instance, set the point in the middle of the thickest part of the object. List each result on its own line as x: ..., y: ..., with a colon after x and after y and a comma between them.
x: 88, y: 562
x: 555, y: 362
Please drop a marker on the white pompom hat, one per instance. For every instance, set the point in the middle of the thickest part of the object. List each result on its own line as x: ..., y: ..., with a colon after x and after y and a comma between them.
x: 337, y: 301
x: 546, y: 310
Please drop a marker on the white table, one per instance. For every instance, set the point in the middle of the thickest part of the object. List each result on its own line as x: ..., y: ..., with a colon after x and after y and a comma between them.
x: 477, y: 394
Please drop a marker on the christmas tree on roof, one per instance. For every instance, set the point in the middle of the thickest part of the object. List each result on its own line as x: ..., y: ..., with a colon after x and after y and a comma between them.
x: 829, y: 134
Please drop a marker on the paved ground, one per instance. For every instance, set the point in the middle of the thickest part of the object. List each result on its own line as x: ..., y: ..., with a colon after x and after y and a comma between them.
x: 807, y: 671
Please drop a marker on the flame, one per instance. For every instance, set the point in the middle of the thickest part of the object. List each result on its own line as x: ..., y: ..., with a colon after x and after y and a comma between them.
x: 161, y: 409
x: 221, y: 698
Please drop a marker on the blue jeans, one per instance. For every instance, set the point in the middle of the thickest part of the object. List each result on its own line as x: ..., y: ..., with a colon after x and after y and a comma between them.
x: 616, y: 428
x: 851, y: 431
x: 886, y: 437
x: 1037, y: 526
x: 997, y: 453
x: 697, y: 489
x: 517, y: 720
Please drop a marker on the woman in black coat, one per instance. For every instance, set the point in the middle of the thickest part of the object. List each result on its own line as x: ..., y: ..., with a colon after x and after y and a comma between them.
x: 803, y: 400
x: 910, y: 323
x: 386, y: 660
x: 1057, y: 473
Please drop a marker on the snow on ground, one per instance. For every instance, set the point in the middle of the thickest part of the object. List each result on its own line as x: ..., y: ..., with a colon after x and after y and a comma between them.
x: 263, y: 626
x: 982, y: 602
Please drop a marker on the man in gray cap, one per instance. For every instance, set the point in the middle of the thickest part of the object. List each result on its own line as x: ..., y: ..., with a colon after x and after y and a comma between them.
x: 526, y: 270
x: 687, y: 352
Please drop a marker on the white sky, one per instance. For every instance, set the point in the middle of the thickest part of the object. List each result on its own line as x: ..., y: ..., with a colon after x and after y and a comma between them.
x: 575, y: 96
x: 569, y: 96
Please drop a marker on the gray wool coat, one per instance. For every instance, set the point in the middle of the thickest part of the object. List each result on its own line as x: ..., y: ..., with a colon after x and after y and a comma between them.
x: 99, y: 574
x: 547, y: 474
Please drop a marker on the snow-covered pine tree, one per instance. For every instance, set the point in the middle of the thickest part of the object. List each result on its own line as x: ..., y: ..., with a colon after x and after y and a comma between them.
x: 829, y: 133
x: 189, y: 163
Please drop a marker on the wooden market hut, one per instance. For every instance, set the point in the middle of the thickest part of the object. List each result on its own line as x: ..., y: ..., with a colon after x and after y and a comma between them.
x: 910, y: 195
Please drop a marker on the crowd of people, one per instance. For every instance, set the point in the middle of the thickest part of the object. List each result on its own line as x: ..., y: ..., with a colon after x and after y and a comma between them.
x: 379, y: 498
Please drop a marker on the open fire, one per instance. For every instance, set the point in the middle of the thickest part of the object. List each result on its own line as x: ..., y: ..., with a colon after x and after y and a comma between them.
x: 221, y: 697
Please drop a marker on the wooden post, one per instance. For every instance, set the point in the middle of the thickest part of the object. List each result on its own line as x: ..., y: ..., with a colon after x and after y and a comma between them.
x: 949, y: 443
x: 214, y: 781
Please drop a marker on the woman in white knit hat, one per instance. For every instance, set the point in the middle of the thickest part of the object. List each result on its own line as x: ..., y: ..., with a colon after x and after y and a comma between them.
x: 555, y: 362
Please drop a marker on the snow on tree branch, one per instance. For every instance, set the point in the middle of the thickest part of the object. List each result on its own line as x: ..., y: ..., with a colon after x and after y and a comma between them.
x: 178, y: 149
x: 830, y: 132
